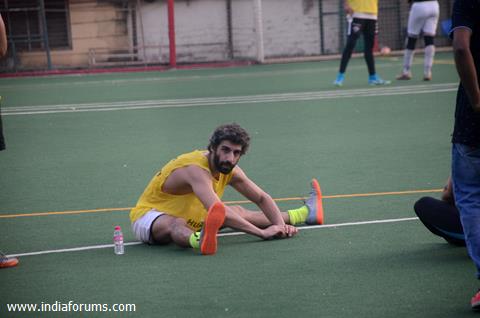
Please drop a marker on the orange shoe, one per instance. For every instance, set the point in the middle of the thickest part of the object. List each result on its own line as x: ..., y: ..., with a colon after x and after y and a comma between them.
x: 213, y: 222
x: 7, y: 261
x: 315, y: 205
x: 475, y: 302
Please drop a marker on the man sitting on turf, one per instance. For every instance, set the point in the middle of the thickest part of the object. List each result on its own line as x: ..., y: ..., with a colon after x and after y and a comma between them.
x: 173, y: 207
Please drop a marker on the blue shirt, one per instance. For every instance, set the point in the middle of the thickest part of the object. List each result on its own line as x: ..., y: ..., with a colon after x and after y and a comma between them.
x: 466, y: 13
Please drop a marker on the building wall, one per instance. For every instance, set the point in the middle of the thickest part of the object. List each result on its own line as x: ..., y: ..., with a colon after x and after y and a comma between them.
x: 92, y: 25
x: 152, y: 31
x: 291, y: 27
x: 200, y: 28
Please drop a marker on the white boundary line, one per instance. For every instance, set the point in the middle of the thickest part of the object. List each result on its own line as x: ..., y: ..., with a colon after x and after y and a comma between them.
x: 325, y: 226
x: 231, y: 100
x: 202, y: 74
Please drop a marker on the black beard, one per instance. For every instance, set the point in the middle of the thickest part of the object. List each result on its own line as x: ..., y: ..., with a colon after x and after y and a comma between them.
x: 224, y: 167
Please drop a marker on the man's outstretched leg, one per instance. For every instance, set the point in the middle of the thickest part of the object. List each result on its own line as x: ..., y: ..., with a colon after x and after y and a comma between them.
x: 311, y: 213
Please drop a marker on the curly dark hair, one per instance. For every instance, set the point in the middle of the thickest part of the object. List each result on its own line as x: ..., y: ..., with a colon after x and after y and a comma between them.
x: 231, y: 132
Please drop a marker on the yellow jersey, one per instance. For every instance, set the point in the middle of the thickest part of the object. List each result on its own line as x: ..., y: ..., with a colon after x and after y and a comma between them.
x: 364, y: 6
x: 186, y: 206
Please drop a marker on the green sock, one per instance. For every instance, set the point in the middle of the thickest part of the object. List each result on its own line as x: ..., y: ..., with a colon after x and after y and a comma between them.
x: 298, y: 215
x: 194, y: 240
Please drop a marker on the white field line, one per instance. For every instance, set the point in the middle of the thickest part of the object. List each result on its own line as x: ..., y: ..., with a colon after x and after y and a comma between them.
x: 313, y: 227
x: 211, y: 101
x: 85, y: 80
x: 163, y: 79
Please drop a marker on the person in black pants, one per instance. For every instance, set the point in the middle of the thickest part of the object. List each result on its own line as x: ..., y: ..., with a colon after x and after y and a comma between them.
x: 441, y: 217
x: 362, y: 19
x: 3, y: 52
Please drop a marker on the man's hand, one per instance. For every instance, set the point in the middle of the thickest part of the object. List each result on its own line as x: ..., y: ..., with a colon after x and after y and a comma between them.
x: 348, y: 9
x: 447, y: 194
x: 290, y: 230
x: 272, y: 231
x: 279, y: 231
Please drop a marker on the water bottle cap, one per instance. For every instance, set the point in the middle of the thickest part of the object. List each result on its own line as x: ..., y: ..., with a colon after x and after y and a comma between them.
x: 118, y: 228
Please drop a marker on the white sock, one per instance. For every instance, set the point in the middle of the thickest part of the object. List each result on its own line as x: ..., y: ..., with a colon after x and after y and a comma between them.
x: 428, y: 62
x: 408, y: 60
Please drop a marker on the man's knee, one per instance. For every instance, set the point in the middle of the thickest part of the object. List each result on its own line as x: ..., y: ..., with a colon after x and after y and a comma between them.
x: 178, y: 224
x: 411, y: 42
x: 428, y: 39
x: 421, y: 206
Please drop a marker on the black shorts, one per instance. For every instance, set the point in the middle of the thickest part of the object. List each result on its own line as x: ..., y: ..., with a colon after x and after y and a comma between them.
x: 366, y: 26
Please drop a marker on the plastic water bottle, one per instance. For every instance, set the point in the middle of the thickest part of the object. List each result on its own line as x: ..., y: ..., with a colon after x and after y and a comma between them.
x: 118, y: 241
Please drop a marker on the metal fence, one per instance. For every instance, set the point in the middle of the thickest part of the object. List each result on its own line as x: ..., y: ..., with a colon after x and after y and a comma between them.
x: 76, y: 34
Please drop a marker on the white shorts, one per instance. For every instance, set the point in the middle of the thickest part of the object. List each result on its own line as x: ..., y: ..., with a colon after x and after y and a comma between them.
x: 423, y: 17
x: 142, y: 227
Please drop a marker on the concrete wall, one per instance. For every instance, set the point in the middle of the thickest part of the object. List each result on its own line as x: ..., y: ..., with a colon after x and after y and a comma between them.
x: 92, y: 25
x: 200, y: 29
x: 290, y: 28
x: 152, y: 31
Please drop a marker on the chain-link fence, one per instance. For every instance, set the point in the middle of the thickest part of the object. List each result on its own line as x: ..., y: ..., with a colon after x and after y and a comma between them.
x: 66, y: 34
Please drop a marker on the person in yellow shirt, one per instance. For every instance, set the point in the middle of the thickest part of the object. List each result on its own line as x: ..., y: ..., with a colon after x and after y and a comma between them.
x: 362, y: 19
x: 182, y: 203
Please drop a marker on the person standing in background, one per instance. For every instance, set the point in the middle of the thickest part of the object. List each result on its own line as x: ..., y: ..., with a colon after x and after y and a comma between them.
x: 423, y: 19
x: 362, y: 19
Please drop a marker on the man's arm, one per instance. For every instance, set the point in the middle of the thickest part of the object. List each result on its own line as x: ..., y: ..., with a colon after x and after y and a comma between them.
x: 192, y: 179
x: 199, y: 181
x: 3, y: 38
x: 254, y: 193
x: 465, y: 65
